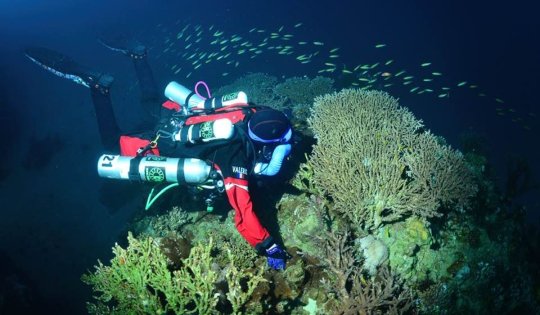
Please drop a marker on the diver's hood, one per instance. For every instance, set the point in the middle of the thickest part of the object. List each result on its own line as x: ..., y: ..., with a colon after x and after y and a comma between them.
x: 269, y: 126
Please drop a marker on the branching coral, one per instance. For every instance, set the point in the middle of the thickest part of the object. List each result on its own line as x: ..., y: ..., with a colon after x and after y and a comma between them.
x: 225, y: 235
x: 236, y: 295
x: 303, y: 180
x: 194, y: 283
x: 123, y: 286
x: 138, y: 281
x: 339, y: 261
x: 381, y: 294
x: 378, y: 164
x: 170, y: 222
x: 384, y: 295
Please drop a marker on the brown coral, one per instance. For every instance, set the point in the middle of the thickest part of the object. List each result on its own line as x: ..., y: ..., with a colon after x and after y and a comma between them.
x: 352, y: 292
x: 377, y: 162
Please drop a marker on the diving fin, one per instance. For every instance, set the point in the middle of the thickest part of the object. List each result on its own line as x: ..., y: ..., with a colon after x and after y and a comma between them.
x: 125, y: 45
x: 65, y: 67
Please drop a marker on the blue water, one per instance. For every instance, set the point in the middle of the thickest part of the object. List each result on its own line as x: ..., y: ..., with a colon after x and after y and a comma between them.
x: 52, y: 225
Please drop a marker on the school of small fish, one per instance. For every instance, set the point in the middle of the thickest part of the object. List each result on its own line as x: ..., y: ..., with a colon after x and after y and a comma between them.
x: 195, y: 46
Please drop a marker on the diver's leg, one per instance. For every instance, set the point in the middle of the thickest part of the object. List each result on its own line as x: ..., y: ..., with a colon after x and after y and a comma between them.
x: 108, y: 128
x: 98, y: 83
x: 147, y: 85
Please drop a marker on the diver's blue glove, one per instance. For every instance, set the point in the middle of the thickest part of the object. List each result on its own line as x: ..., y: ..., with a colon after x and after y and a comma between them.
x: 276, y: 257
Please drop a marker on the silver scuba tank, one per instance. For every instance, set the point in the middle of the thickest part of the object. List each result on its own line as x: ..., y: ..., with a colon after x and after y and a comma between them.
x: 180, y: 94
x: 220, y: 129
x: 186, y: 98
x: 155, y: 169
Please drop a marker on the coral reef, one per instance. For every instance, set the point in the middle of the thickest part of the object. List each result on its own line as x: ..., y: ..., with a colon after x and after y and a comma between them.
x: 300, y: 93
x: 374, y: 251
x: 470, y: 273
x: 303, y: 90
x: 378, y: 164
x: 299, y: 220
x: 226, y: 238
x: 379, y: 220
x: 235, y: 276
x: 139, y: 281
x: 351, y: 293
x: 161, y: 225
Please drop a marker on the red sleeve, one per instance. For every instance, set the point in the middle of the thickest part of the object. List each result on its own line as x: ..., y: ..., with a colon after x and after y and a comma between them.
x: 245, y: 219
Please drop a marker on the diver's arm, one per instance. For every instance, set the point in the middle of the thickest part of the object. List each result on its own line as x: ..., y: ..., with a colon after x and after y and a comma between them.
x: 245, y: 219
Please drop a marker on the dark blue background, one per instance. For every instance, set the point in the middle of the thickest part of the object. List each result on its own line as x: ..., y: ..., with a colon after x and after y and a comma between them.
x: 52, y: 226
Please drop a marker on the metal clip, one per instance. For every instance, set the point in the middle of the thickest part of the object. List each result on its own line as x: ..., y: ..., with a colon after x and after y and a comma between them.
x: 153, y: 143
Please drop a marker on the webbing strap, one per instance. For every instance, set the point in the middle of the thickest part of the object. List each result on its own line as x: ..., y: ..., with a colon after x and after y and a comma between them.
x: 134, y: 169
x: 186, y: 105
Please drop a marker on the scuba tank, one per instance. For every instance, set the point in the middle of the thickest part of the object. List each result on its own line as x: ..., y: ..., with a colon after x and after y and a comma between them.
x: 156, y: 169
x: 191, y: 101
x: 220, y: 129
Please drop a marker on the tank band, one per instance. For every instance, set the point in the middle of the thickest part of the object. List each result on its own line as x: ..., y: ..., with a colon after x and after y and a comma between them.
x: 134, y: 169
x: 180, y: 176
x: 187, y: 99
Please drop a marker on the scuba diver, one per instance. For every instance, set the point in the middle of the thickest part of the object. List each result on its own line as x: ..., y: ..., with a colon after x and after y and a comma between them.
x: 214, y: 144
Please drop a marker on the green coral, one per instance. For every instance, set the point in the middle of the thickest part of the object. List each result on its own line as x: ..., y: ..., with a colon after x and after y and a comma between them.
x: 235, y: 277
x: 225, y: 235
x: 303, y: 179
x: 416, y: 260
x: 417, y: 231
x: 138, y: 281
x: 163, y: 224
x: 299, y: 219
x: 410, y: 254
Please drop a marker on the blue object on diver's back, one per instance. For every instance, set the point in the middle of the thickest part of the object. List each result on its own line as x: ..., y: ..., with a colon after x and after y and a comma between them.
x: 272, y: 168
